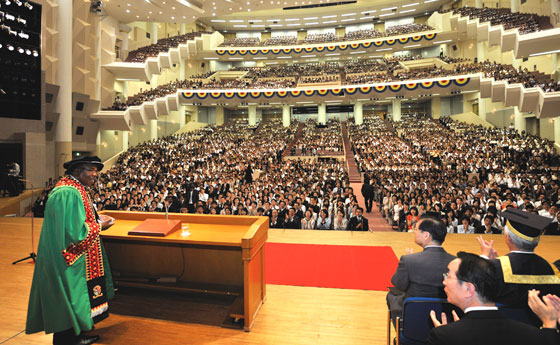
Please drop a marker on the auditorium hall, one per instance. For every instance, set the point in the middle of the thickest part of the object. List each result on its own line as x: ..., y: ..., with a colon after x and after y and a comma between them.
x: 295, y: 145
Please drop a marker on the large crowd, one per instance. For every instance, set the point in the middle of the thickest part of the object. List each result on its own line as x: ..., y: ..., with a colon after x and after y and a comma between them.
x: 354, y: 35
x: 464, y: 173
x: 231, y: 170
x: 163, y: 45
x: 319, y: 140
x: 355, y: 72
x: 524, y: 22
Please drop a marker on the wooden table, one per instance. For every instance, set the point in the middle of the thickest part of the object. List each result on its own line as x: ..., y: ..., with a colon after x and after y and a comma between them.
x: 223, y: 255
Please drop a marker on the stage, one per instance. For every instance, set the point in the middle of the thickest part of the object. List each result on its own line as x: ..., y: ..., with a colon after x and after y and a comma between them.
x: 290, y: 314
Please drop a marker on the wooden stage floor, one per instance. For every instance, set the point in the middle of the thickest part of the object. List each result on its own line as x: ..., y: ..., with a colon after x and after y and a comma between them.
x: 291, y: 315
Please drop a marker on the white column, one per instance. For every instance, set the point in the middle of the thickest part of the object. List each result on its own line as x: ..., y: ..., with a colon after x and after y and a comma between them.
x: 124, y: 140
x: 322, y: 118
x: 358, y: 113
x: 519, y: 121
x: 63, y: 136
x: 557, y: 131
x: 125, y: 90
x: 436, y: 107
x: 481, y: 107
x: 219, y: 115
x: 183, y: 28
x: 481, y: 48
x: 396, y: 110
x: 286, y: 115
x: 515, y: 5
x: 252, y: 115
x: 153, y: 32
x: 152, y: 129
x: 182, y: 121
x: 556, y: 66
x: 478, y: 3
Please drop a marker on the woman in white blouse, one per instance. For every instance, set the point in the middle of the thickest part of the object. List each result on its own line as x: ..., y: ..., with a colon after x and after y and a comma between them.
x: 340, y: 222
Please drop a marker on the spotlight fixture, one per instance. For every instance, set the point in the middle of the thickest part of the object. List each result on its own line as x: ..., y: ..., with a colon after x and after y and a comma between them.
x: 28, y: 5
x: 35, y: 53
x: 18, y: 2
x: 11, y: 47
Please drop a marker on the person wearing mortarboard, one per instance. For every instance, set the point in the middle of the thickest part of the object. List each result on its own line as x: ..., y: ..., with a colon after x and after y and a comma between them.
x: 521, y: 269
x: 72, y: 280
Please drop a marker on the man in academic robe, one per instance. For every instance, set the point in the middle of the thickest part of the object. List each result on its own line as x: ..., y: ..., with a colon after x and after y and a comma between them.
x: 72, y: 280
x: 521, y: 269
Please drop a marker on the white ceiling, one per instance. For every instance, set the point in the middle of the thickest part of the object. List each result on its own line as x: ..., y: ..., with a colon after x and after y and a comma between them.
x: 235, y: 15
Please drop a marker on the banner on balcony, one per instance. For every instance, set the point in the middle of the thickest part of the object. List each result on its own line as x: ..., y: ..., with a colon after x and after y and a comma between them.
x: 328, y: 47
x: 342, y: 91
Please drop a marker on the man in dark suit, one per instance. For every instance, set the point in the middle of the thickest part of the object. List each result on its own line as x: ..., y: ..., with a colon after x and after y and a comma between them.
x: 358, y: 223
x: 521, y: 269
x: 472, y: 284
x: 367, y: 193
x: 487, y: 228
x: 292, y: 221
x: 420, y: 274
x: 191, y: 197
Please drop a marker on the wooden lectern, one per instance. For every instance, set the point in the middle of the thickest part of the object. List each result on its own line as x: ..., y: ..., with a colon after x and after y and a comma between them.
x: 222, y: 255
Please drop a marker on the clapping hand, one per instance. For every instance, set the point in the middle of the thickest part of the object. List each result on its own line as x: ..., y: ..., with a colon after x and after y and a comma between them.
x: 443, y: 318
x: 547, y: 309
x: 487, y: 248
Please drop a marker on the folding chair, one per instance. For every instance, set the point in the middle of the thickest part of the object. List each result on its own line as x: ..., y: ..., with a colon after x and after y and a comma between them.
x: 413, y: 328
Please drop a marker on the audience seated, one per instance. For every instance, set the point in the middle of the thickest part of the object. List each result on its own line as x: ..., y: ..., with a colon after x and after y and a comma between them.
x: 524, y: 22
x: 162, y: 46
x: 351, y: 73
x: 319, y: 140
x: 457, y: 170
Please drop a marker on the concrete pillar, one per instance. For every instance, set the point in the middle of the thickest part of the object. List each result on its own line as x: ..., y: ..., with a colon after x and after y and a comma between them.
x: 252, y: 115
x: 125, y: 90
x: 436, y: 107
x: 478, y: 3
x: 286, y: 112
x: 219, y: 115
x: 557, y: 131
x: 322, y: 118
x: 183, y: 28
x: 396, y: 110
x: 98, y: 144
x: 124, y: 140
x: 519, y: 121
x: 63, y: 136
x: 556, y: 66
x: 481, y: 107
x: 515, y: 5
x: 152, y: 130
x: 481, y: 48
x: 358, y: 113
x: 153, y: 32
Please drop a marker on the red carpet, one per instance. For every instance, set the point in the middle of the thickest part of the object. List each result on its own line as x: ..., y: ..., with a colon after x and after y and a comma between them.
x: 343, y: 267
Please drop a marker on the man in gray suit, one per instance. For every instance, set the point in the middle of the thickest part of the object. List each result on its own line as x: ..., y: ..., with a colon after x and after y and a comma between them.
x: 421, y: 274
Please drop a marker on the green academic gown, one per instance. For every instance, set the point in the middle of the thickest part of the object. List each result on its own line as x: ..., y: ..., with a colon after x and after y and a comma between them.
x: 72, y: 280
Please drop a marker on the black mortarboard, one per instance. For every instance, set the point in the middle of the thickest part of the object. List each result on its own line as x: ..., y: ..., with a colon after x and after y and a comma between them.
x: 525, y: 225
x: 84, y: 160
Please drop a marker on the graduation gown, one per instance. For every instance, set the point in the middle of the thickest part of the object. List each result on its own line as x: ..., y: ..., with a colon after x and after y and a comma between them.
x: 520, y: 272
x: 72, y: 280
